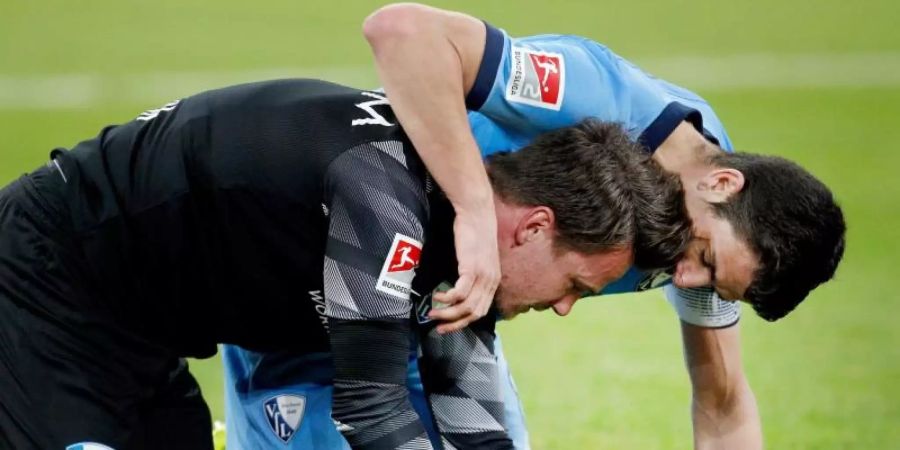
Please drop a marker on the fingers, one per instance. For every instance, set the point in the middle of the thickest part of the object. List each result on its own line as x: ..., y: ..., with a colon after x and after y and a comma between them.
x: 469, y: 300
x: 479, y: 272
x: 458, y: 313
x: 460, y: 291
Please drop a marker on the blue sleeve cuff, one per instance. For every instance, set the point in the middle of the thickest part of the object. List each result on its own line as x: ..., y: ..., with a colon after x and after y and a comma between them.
x: 487, y: 72
x: 664, y: 124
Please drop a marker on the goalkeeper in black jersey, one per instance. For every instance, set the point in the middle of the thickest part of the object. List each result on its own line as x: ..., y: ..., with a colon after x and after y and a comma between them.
x: 209, y: 220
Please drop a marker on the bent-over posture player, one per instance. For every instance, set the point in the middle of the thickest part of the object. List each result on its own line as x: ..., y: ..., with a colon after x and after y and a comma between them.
x: 210, y: 220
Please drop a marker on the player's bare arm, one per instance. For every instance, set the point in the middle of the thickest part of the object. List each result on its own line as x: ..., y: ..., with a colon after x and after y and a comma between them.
x: 723, y: 409
x: 427, y: 60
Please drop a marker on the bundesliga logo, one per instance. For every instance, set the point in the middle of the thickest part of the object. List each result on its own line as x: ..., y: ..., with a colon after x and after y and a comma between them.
x: 406, y: 257
x: 400, y: 267
x: 536, y: 78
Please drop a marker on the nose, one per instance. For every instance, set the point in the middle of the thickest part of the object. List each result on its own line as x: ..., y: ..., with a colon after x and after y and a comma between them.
x: 691, y: 274
x: 563, y: 306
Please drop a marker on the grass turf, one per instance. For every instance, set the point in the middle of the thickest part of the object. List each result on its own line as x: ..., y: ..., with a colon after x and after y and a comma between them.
x: 611, y: 375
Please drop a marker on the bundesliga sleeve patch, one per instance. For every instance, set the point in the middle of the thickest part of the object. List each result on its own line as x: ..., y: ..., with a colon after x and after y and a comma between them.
x: 536, y: 78
x: 400, y: 267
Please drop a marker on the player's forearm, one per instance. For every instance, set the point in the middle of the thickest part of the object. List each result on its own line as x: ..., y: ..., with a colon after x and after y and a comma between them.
x: 427, y: 60
x: 447, y: 365
x: 727, y: 423
x: 724, y: 409
x: 371, y: 405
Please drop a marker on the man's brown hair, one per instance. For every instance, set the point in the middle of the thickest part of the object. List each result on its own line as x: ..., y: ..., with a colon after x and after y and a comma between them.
x: 604, y: 189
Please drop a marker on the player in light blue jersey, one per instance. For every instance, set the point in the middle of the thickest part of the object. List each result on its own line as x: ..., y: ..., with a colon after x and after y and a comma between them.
x: 517, y: 88
x: 766, y: 231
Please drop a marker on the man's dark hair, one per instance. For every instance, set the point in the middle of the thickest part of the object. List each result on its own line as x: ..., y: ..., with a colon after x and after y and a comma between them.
x: 793, y: 224
x: 604, y: 189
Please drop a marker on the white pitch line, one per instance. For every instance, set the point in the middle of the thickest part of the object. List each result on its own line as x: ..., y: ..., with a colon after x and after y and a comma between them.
x: 83, y: 90
x: 699, y: 73
x: 766, y: 70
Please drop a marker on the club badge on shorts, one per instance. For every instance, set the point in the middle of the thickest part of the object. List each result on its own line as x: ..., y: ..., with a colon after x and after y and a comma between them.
x: 284, y: 414
x: 536, y: 78
x: 88, y: 446
x: 399, y: 267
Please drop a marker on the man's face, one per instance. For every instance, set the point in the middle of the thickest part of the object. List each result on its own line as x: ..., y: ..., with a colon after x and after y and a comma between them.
x: 538, y: 276
x: 716, y: 256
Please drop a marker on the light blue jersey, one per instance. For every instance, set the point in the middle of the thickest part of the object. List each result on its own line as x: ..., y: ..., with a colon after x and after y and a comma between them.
x: 527, y: 86
x: 283, y: 400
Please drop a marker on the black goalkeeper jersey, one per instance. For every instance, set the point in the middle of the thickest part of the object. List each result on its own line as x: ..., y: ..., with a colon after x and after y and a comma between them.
x: 207, y: 220
x: 290, y: 216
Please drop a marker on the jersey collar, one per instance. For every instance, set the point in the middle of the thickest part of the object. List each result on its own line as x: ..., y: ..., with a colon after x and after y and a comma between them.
x: 665, y: 123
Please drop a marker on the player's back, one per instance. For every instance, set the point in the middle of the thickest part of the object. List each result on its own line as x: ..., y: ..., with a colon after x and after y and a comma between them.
x: 539, y: 83
x: 203, y: 220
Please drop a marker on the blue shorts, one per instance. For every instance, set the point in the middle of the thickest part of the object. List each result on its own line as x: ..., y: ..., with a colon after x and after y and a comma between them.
x: 278, y: 400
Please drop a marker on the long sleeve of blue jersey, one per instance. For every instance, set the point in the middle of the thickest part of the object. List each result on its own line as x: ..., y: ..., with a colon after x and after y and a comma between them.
x: 376, y: 208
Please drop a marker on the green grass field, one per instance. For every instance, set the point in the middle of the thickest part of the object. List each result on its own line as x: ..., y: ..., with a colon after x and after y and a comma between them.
x: 818, y: 82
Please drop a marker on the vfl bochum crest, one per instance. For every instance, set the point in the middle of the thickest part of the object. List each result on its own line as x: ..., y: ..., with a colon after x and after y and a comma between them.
x: 284, y: 414
x: 88, y: 446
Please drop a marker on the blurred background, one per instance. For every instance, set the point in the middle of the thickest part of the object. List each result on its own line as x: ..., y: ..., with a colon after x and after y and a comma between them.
x: 817, y: 81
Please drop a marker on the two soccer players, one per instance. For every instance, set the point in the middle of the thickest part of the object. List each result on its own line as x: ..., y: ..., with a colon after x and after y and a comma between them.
x: 765, y: 230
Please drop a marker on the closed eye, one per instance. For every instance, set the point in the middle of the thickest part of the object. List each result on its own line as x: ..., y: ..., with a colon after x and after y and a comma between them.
x: 582, y: 289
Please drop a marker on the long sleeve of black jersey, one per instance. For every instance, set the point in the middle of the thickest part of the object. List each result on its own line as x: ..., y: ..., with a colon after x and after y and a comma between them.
x: 459, y: 370
x: 462, y: 380
x: 376, y: 207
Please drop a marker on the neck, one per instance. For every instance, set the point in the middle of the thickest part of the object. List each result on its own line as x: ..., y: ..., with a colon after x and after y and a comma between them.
x: 684, y: 150
x: 507, y: 216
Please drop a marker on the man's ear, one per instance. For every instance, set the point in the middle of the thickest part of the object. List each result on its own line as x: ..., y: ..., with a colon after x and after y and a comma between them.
x: 719, y: 184
x: 536, y: 223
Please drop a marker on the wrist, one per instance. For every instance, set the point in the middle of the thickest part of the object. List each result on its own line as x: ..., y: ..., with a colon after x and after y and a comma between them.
x: 477, y: 204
